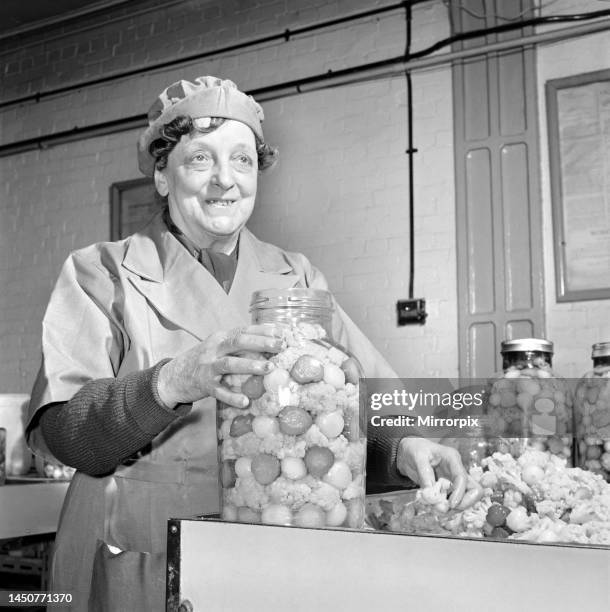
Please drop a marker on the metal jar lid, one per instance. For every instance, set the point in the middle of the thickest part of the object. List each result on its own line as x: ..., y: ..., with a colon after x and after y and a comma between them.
x: 527, y: 344
x: 601, y: 349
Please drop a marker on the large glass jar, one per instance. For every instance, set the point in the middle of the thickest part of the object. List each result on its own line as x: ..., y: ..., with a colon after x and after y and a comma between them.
x: 528, y: 405
x: 592, y: 413
x: 297, y: 454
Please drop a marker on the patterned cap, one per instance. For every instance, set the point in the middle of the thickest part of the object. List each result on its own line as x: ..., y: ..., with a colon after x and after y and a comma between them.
x: 206, y: 96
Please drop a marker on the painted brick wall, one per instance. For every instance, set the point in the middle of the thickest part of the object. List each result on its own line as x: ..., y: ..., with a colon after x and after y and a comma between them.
x: 591, y: 319
x: 339, y: 193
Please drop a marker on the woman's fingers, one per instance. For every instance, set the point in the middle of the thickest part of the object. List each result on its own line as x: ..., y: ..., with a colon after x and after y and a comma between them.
x: 454, y: 468
x: 241, y: 365
x: 425, y: 471
x: 473, y: 494
x: 257, y: 338
x: 225, y: 395
x: 459, y: 488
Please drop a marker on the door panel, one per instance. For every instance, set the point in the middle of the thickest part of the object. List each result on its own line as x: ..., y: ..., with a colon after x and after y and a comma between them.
x: 498, y: 205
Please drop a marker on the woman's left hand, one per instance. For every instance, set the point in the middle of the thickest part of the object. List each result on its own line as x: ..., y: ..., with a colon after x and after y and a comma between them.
x: 423, y: 461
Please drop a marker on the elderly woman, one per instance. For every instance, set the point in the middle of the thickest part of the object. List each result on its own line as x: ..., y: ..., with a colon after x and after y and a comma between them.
x: 138, y: 335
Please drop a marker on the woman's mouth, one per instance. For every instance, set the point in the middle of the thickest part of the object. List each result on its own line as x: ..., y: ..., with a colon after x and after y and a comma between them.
x: 220, y: 203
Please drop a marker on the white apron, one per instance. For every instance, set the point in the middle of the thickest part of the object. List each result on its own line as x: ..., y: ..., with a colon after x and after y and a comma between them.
x: 117, y: 308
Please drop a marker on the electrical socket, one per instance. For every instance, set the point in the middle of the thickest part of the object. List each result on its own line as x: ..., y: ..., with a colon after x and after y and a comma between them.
x: 411, y: 312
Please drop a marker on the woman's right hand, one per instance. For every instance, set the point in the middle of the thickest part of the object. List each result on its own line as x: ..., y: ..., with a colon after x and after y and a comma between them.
x: 198, y: 372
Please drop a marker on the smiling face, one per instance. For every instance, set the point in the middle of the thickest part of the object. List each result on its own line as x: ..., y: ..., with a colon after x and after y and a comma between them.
x: 210, y: 181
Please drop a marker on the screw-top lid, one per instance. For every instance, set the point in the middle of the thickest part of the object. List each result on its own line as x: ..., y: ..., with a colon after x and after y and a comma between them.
x: 601, y: 349
x: 292, y: 297
x: 527, y: 344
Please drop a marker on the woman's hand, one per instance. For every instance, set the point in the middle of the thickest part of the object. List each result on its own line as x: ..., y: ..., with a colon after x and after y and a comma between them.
x: 197, y: 373
x: 423, y: 461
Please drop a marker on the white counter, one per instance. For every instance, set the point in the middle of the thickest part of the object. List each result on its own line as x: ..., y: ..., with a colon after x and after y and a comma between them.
x: 229, y: 566
x: 30, y: 509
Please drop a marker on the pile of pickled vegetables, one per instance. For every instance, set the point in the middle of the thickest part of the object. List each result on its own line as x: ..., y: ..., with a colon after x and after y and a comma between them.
x: 535, y: 497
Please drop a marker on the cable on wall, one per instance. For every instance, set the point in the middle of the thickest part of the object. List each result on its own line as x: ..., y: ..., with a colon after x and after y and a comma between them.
x: 283, y: 36
x: 412, y: 310
x: 410, y: 150
x: 381, y: 69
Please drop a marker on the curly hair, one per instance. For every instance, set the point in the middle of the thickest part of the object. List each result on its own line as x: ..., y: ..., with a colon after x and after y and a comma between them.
x: 172, y: 132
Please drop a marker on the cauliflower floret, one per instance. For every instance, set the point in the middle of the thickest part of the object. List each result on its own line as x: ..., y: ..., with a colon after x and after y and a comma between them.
x: 286, y: 358
x: 292, y: 493
x: 512, y: 498
x: 487, y: 480
x: 268, y: 404
x: 318, y: 397
x: 296, y: 335
x: 549, y: 508
x: 348, y: 403
x: 336, y: 356
x: 311, y: 331
x: 474, y: 517
x: 227, y: 449
x: 534, y: 457
x: 434, y: 494
x: 325, y: 495
x: 248, y: 492
x: 355, y: 488
x: 354, y: 456
x: 338, y: 446
x: 248, y: 444
x: 351, y: 389
x: 315, y: 350
x: 314, y: 437
x: 292, y: 448
x: 283, y: 446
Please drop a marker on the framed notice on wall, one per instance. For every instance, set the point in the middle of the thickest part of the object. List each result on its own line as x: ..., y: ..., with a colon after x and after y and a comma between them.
x: 579, y: 154
x: 132, y: 204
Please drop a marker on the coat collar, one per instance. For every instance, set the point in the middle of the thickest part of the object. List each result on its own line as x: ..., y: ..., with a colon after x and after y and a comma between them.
x: 185, y: 293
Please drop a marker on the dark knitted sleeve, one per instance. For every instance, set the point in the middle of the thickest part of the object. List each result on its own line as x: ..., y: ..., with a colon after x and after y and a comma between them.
x: 107, y: 421
x: 382, y: 475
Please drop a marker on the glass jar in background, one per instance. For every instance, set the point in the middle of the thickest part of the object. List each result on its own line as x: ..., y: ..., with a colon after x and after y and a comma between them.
x: 473, y: 448
x: 297, y: 454
x: 528, y: 406
x: 53, y: 469
x: 471, y: 442
x: 592, y: 413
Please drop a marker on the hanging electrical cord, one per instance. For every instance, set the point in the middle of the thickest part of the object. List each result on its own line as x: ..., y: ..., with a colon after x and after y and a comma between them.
x: 410, y: 150
x: 410, y: 311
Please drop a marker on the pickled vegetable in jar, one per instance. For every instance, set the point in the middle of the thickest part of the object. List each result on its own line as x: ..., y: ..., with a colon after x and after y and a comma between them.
x: 471, y: 442
x: 296, y: 454
x: 592, y: 414
x: 529, y: 406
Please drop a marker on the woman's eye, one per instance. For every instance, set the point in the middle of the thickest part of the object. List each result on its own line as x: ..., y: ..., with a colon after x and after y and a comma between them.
x: 200, y: 158
x: 244, y: 160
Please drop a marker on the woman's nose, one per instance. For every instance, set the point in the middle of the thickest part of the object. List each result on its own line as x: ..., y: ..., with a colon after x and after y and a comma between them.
x: 223, y: 175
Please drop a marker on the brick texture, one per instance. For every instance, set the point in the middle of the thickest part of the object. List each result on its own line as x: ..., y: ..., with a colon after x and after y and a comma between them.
x: 339, y: 193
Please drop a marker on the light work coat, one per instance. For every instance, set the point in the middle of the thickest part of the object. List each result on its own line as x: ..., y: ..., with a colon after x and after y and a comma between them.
x: 119, y: 307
